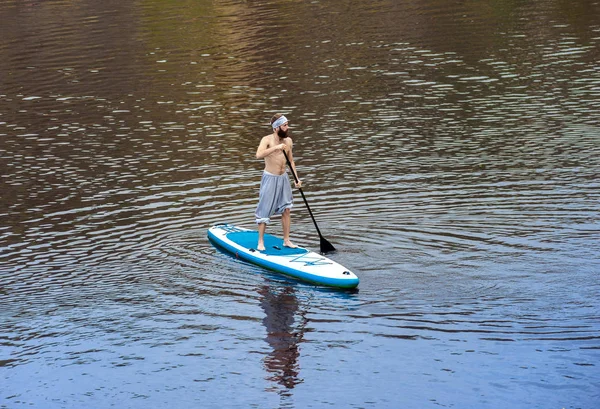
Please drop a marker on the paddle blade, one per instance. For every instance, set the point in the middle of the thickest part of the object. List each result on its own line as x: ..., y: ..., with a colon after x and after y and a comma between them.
x: 326, y: 247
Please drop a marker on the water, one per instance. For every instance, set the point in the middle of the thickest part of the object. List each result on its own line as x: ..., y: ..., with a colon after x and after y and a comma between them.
x: 450, y: 152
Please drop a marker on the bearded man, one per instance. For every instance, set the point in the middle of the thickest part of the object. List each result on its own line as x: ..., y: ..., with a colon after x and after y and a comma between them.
x: 275, y: 197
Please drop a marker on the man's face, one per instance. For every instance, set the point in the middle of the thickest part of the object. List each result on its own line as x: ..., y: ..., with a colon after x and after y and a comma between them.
x: 283, y: 131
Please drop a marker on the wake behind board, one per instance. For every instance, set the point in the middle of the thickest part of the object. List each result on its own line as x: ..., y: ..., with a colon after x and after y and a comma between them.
x: 299, y: 263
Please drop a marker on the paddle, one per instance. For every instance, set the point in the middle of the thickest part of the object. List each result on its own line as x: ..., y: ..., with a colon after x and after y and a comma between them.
x: 326, y: 246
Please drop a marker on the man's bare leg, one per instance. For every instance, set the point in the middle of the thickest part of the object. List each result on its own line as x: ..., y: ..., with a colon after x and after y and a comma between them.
x: 286, y: 221
x: 261, y: 236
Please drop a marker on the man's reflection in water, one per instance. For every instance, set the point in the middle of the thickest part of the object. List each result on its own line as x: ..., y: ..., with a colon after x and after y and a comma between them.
x: 280, y: 306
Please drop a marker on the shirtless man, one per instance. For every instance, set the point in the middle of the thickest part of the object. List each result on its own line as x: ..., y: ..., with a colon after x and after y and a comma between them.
x: 275, y: 190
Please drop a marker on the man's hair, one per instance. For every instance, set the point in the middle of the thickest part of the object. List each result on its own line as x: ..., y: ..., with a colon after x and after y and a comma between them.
x: 275, y: 118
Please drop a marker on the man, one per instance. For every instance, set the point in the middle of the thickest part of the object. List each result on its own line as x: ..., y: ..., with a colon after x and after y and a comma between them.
x: 275, y: 196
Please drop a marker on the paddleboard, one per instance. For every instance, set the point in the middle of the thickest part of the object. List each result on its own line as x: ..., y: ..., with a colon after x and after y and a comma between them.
x: 299, y: 263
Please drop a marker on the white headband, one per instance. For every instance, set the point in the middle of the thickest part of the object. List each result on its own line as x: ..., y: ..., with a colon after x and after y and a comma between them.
x: 280, y: 121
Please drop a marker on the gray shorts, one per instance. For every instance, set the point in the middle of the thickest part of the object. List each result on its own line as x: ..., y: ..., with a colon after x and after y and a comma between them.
x: 275, y: 196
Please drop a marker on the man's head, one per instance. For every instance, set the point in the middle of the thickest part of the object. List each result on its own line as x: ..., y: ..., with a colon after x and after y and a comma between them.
x: 280, y: 125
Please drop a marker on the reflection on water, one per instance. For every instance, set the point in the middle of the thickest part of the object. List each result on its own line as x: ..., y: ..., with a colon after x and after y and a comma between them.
x: 281, y: 306
x: 450, y: 152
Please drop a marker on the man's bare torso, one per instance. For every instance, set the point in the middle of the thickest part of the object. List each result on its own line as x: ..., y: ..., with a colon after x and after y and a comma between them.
x: 275, y: 163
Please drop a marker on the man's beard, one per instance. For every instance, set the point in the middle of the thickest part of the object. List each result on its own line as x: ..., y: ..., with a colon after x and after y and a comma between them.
x: 283, y: 134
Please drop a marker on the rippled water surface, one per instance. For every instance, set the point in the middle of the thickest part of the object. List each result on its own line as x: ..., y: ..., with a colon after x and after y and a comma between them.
x: 449, y: 150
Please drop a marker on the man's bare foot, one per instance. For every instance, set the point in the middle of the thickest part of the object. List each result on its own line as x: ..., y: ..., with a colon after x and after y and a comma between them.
x: 289, y: 244
x: 260, y: 247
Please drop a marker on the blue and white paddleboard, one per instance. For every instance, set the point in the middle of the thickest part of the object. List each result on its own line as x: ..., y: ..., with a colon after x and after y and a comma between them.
x: 299, y: 263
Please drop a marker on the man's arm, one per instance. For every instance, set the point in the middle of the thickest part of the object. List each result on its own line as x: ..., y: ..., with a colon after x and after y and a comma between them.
x: 290, y: 155
x: 263, y: 149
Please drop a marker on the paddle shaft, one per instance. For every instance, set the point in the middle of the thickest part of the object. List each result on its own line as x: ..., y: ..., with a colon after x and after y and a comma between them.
x: 325, y: 245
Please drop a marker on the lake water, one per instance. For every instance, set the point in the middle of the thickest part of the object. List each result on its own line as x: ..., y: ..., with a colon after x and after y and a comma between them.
x: 449, y: 150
